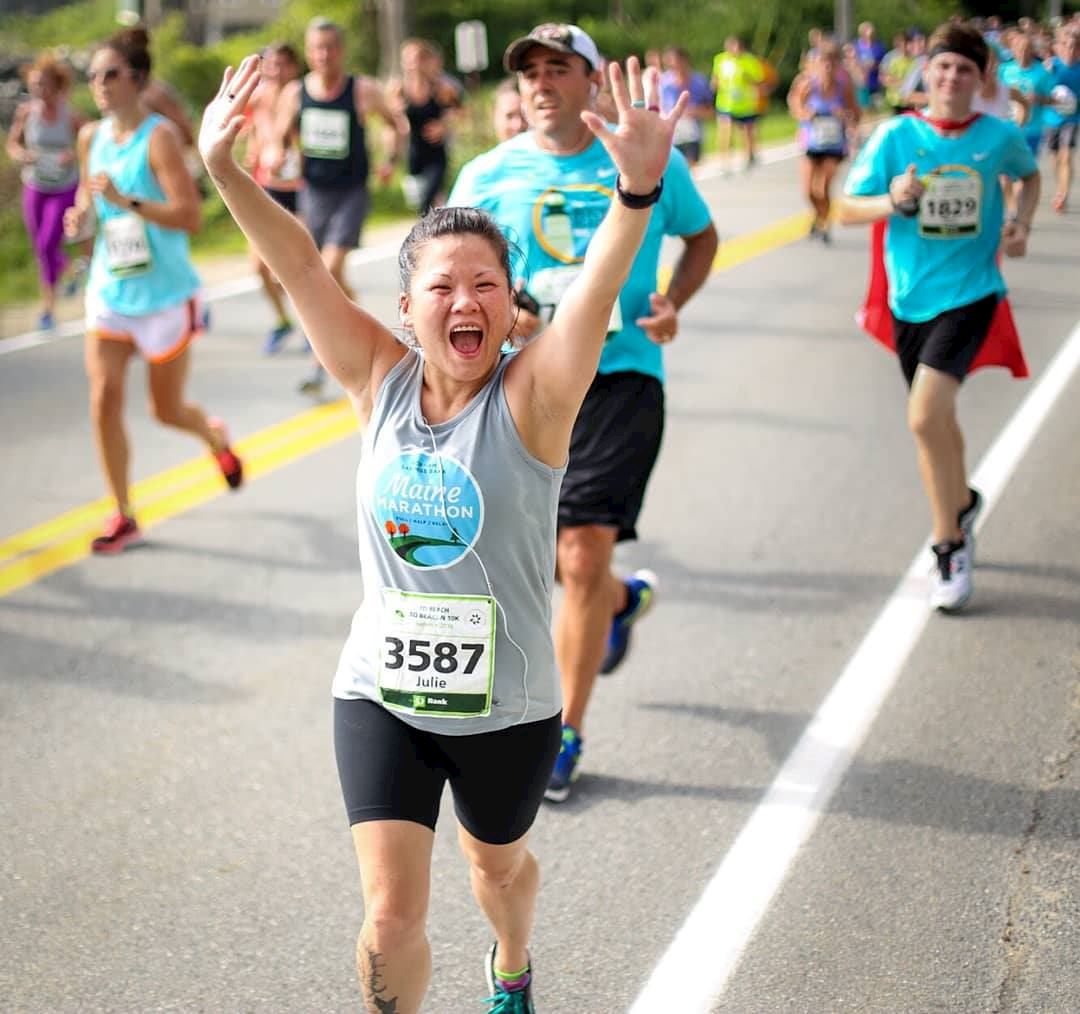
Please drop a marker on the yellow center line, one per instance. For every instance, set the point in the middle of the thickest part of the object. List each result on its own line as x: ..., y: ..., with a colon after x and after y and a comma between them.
x: 39, y: 551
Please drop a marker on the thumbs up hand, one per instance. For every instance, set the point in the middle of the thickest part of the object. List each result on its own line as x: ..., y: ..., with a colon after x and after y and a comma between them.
x: 906, y: 190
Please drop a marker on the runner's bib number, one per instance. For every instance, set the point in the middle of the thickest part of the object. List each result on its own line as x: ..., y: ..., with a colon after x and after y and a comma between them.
x: 438, y: 654
x: 549, y: 285
x: 324, y: 133
x: 127, y: 250
x: 826, y: 134
x: 951, y: 207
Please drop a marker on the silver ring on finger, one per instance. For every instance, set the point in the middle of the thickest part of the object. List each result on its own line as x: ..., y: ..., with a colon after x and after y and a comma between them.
x: 638, y: 104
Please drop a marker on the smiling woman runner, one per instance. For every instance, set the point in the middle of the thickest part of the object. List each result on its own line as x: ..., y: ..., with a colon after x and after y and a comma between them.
x: 448, y: 673
x: 143, y: 294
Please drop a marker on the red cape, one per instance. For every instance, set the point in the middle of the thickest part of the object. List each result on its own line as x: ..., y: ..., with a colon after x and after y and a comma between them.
x: 1002, y: 345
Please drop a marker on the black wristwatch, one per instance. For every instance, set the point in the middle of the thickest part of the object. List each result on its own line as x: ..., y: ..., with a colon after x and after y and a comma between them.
x: 134, y: 203
x: 638, y: 201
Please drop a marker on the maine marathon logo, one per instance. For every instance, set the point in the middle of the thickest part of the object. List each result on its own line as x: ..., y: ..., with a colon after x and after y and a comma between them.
x: 429, y: 515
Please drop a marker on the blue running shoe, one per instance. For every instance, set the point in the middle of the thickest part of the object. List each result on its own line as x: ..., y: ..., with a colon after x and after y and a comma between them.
x: 276, y: 338
x: 641, y: 587
x: 46, y: 322
x: 518, y: 1001
x: 565, y: 771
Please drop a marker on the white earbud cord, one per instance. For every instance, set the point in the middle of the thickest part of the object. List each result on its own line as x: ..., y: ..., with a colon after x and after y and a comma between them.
x: 483, y: 570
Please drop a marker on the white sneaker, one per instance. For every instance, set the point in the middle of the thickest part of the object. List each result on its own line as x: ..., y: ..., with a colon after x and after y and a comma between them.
x: 950, y: 584
x: 967, y: 518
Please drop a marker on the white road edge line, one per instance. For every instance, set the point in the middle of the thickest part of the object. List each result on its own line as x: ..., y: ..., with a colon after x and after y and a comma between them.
x: 693, y: 973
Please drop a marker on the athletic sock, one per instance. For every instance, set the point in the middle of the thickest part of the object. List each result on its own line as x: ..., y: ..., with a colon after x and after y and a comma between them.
x: 512, y: 982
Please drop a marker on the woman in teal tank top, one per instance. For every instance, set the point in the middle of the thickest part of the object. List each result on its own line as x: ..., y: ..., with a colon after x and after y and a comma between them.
x: 449, y: 673
x: 142, y: 293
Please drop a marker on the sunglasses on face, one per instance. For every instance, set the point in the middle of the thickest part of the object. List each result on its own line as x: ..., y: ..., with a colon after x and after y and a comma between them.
x: 104, y: 76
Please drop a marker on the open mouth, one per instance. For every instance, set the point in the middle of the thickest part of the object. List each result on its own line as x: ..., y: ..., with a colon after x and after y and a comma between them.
x: 466, y: 339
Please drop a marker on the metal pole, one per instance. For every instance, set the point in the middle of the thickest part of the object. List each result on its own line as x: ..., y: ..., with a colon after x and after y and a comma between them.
x: 842, y: 21
x: 1055, y: 9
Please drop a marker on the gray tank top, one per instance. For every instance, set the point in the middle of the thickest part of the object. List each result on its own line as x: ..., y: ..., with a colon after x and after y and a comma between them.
x: 49, y: 141
x: 457, y: 550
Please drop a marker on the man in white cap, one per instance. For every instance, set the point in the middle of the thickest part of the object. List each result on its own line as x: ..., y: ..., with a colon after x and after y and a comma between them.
x: 549, y: 189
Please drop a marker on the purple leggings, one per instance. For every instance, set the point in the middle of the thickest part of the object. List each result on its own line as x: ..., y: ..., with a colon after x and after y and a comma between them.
x: 44, y: 216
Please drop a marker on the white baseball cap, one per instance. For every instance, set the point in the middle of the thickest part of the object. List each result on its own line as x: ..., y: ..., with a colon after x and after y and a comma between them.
x: 561, y: 38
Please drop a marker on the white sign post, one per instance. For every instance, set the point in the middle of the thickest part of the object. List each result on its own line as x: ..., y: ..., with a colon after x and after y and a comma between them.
x: 470, y: 46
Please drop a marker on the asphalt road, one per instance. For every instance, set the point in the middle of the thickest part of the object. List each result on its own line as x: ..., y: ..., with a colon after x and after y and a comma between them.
x: 171, y: 832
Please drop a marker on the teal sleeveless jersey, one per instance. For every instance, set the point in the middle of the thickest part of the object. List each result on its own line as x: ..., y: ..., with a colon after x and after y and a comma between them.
x: 457, y: 529
x: 138, y: 268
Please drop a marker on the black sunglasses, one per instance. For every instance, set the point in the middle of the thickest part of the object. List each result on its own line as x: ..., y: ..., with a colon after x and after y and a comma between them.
x: 107, y: 75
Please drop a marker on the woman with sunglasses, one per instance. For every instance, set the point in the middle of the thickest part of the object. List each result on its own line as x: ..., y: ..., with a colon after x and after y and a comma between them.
x: 143, y: 294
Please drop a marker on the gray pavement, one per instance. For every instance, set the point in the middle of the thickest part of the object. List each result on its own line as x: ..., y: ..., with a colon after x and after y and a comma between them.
x: 171, y: 833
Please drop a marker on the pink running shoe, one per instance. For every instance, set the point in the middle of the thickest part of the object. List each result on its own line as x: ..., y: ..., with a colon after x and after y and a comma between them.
x: 121, y: 531
x: 231, y: 466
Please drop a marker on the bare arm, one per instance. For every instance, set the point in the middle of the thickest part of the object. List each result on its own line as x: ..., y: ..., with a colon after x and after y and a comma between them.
x: 370, y: 98
x: 75, y: 216
x: 288, y: 108
x: 181, y: 207
x: 863, y: 210
x: 16, y: 149
x: 356, y: 349
x: 1029, y: 198
x: 693, y: 266
x: 796, y: 97
x: 547, y: 382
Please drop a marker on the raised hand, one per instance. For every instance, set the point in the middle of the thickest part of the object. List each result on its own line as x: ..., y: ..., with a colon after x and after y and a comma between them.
x: 640, y: 145
x: 223, y: 119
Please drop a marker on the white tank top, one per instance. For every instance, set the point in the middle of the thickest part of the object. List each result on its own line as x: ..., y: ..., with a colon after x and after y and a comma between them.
x: 457, y: 525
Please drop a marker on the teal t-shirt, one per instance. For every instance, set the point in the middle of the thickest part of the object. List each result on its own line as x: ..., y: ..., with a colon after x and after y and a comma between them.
x: 549, y: 206
x: 1067, y: 74
x: 1033, y: 80
x: 946, y: 256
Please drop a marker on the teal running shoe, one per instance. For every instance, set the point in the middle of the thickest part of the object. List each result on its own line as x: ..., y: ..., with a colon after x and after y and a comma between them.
x: 518, y: 1001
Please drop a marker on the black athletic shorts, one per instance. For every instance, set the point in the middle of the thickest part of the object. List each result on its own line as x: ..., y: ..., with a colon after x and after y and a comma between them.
x: 286, y: 198
x: 948, y: 342
x: 391, y: 771
x: 1062, y: 137
x: 614, y: 446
